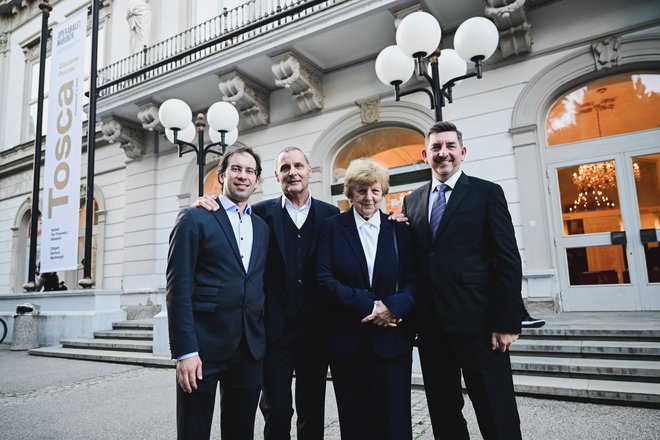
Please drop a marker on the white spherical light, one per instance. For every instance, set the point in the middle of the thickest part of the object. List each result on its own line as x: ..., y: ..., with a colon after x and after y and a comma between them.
x: 230, y: 136
x: 417, y: 33
x: 174, y: 113
x: 186, y: 135
x: 392, y: 65
x: 450, y: 65
x: 222, y: 116
x: 476, y: 37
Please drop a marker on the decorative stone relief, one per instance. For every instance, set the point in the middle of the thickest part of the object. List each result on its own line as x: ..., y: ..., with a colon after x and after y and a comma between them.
x: 148, y: 117
x: 304, y: 81
x: 606, y: 53
x: 130, y: 139
x: 369, y: 112
x: 251, y: 100
x: 4, y: 42
x: 510, y: 17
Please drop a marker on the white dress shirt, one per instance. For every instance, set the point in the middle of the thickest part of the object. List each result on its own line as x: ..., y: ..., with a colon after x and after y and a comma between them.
x: 435, y: 187
x: 242, y: 226
x: 368, y: 231
x: 298, y: 215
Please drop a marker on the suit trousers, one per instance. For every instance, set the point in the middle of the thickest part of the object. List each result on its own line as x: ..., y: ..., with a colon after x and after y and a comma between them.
x: 373, y: 395
x: 488, y: 379
x: 240, y: 380
x: 300, y: 349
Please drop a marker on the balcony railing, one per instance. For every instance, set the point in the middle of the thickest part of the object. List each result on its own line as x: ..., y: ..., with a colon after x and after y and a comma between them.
x: 232, y: 27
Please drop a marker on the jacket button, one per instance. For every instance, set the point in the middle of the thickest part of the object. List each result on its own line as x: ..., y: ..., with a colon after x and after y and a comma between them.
x: 246, y: 308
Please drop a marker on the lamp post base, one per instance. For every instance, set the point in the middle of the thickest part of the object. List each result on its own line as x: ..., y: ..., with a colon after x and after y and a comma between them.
x: 30, y: 286
x: 86, y: 283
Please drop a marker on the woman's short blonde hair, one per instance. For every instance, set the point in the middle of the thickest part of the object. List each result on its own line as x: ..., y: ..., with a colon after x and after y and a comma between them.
x: 365, y: 172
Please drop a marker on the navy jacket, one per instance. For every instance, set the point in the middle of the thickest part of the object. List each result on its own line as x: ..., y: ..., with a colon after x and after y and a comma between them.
x: 343, y: 276
x: 275, y: 281
x: 470, y: 274
x: 212, y: 301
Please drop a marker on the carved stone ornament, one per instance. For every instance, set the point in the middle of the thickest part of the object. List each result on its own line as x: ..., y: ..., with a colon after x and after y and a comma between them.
x: 251, y: 100
x: 130, y: 139
x: 148, y: 117
x: 510, y: 18
x: 606, y: 53
x: 304, y: 81
x: 369, y: 112
x: 4, y: 42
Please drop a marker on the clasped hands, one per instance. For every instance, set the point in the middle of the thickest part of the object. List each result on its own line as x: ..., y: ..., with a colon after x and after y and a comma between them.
x: 381, y: 316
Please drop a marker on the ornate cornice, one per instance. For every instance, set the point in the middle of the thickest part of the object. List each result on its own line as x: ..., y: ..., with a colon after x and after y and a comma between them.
x: 303, y: 79
x: 251, y: 100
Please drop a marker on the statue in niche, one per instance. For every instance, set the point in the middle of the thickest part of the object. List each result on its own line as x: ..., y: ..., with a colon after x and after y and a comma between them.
x: 138, y: 16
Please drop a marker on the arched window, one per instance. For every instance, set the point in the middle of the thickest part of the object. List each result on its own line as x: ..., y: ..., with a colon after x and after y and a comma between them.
x: 614, y: 105
x: 399, y: 149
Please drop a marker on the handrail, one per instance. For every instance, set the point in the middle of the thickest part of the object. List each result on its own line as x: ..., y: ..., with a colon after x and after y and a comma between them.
x: 232, y: 27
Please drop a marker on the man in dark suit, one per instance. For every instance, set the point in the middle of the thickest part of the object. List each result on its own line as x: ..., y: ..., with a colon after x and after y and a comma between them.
x: 294, y: 313
x: 470, y: 281
x: 215, y: 303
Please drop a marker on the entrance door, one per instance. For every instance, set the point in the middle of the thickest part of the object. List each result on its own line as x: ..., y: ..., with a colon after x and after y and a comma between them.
x: 608, y: 224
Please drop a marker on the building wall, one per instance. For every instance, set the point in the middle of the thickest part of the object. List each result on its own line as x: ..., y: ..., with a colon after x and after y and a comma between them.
x: 142, y: 196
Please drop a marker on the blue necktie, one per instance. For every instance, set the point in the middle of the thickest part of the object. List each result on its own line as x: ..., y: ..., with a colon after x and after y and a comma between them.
x: 438, y: 208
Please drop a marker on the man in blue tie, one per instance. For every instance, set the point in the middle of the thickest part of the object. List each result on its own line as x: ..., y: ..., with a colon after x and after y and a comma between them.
x: 470, y: 279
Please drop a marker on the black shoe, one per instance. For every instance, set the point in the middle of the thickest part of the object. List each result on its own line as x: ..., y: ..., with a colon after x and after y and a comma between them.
x: 529, y: 322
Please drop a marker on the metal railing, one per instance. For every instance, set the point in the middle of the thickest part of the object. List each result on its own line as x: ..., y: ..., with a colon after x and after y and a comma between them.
x: 230, y: 28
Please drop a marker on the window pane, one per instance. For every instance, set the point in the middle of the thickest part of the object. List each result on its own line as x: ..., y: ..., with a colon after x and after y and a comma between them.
x: 647, y: 185
x: 393, y: 147
x: 597, y: 265
x: 614, y: 105
x: 589, y: 198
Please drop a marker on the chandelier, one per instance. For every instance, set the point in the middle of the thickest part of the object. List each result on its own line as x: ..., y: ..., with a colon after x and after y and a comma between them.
x: 593, y: 181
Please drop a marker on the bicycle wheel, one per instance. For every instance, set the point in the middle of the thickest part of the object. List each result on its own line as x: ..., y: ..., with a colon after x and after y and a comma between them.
x: 3, y: 330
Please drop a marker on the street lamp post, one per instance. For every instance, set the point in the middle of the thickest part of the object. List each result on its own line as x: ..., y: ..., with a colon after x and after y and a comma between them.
x: 418, y: 36
x: 32, y: 284
x: 222, y: 117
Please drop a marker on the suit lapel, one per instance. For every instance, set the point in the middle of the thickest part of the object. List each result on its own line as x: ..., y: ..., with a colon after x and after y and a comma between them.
x: 383, y: 267
x: 458, y: 193
x: 423, y: 212
x: 221, y: 216
x: 276, y: 213
x: 258, y: 240
x: 316, y: 227
x: 353, y: 239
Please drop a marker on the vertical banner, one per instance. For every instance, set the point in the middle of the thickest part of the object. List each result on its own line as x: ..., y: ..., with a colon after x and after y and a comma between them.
x: 61, y: 196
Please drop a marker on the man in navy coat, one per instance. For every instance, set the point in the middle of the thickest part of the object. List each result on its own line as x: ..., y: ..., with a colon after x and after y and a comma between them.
x: 295, y: 315
x: 215, y: 303
x: 470, y: 279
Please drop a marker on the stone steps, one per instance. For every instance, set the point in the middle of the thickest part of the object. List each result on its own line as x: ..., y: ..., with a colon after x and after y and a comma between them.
x: 629, y: 349
x: 122, y: 357
x: 131, y: 334
x: 109, y: 344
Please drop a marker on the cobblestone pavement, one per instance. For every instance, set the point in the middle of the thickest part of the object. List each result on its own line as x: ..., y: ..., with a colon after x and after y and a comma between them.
x: 48, y: 398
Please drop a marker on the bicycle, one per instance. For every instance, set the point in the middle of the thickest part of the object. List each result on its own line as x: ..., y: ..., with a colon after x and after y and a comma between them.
x: 3, y: 330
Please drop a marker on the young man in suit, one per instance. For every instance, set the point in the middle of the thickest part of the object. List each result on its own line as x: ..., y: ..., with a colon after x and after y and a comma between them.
x: 215, y: 303
x: 470, y: 279
x: 294, y: 314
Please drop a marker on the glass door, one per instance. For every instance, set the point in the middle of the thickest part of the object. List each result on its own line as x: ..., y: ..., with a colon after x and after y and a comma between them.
x: 608, y: 231
x: 645, y: 176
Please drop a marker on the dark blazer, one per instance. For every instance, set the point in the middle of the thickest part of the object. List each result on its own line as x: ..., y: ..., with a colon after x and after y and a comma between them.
x: 344, y: 278
x: 470, y: 273
x: 211, y: 300
x: 276, y: 295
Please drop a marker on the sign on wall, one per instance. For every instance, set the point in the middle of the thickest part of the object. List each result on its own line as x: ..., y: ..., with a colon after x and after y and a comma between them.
x: 61, y: 196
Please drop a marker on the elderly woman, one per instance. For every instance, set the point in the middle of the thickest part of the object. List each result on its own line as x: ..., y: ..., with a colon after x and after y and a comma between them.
x: 365, y: 271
